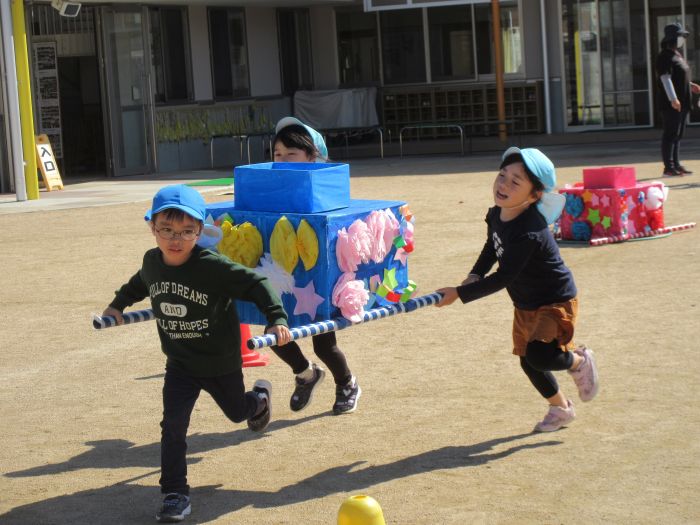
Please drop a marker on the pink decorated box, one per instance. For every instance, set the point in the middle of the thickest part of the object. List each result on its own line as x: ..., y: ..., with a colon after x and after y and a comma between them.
x: 616, y: 177
x: 592, y: 213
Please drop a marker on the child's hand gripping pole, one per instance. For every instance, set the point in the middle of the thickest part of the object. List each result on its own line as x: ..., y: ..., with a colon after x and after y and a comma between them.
x: 99, y: 322
x: 339, y: 323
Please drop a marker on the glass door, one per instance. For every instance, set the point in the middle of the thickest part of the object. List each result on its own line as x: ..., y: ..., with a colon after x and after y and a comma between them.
x: 581, y: 36
x: 127, y: 88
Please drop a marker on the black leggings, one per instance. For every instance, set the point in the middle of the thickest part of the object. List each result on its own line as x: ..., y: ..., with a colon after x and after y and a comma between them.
x: 674, y: 126
x: 540, y: 358
x: 326, y: 348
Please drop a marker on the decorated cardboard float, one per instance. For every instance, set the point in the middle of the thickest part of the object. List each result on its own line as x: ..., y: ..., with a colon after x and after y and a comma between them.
x: 326, y: 255
x: 611, y: 206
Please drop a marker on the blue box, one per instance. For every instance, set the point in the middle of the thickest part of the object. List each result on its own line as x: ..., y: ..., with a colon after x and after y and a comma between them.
x: 325, y: 273
x: 297, y: 187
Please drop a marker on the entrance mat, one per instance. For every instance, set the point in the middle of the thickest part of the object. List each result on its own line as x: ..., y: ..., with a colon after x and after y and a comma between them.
x: 226, y: 181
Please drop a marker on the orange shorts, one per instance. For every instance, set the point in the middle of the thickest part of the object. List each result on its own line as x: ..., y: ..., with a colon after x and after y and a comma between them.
x: 547, y: 323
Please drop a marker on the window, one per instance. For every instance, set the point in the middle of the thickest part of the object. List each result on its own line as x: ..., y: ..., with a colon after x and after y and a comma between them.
x: 358, y: 48
x: 511, y: 39
x: 229, y: 53
x: 451, y: 43
x: 169, y: 56
x: 295, y: 50
x: 403, y: 51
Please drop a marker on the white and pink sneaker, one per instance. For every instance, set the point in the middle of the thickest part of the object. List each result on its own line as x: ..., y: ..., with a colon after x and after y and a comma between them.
x: 556, y: 418
x: 586, y: 376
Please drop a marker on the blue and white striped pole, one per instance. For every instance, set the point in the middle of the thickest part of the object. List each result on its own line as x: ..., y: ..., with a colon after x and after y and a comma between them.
x: 99, y: 322
x: 339, y: 323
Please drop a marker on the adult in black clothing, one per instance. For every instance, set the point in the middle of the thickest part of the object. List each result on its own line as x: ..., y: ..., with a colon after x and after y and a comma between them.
x: 674, y: 96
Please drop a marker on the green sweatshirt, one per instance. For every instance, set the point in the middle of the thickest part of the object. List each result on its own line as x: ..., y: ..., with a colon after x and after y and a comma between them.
x: 195, y: 309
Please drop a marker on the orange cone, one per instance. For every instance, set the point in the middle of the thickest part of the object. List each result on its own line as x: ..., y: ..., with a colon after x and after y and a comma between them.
x: 251, y: 357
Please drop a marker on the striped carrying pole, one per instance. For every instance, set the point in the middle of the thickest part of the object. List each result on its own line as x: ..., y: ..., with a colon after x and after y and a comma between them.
x: 651, y: 233
x: 99, y: 322
x: 340, y: 323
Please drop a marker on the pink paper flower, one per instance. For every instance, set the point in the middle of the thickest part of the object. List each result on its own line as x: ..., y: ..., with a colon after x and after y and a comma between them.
x: 353, y: 246
x: 382, y: 226
x: 392, y: 229
x: 350, y: 296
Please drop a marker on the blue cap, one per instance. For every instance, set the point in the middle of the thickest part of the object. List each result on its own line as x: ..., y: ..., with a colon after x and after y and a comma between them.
x: 550, y: 204
x: 316, y: 137
x: 180, y: 197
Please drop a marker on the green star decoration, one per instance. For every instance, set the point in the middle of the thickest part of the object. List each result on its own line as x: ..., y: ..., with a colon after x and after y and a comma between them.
x: 593, y: 216
x: 606, y: 222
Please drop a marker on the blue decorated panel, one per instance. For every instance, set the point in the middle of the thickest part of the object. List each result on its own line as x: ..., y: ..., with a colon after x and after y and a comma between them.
x: 325, y: 274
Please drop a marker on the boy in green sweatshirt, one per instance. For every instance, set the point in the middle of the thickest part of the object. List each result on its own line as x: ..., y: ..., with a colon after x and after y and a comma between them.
x: 193, y: 293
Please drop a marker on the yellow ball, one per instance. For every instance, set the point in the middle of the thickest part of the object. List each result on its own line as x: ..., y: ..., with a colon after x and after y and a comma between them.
x: 360, y: 510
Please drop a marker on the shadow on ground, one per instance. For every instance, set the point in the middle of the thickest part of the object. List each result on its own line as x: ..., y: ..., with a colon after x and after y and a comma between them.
x: 127, y: 502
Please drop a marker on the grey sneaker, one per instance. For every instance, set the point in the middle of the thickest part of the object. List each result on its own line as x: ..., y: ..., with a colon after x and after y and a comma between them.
x: 556, y: 417
x: 586, y: 376
x: 174, y: 508
x: 304, y: 390
x: 346, y: 397
x: 263, y: 389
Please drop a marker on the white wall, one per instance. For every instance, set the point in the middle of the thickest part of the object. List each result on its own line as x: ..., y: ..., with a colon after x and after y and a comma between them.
x: 199, y: 44
x: 324, y: 47
x: 263, y: 55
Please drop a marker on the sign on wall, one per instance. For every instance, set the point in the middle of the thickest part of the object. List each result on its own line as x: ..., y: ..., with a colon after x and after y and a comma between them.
x: 47, y: 94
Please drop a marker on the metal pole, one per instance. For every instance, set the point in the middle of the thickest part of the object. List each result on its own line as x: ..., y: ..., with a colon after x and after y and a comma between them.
x: 545, y: 64
x: 24, y: 92
x: 8, y: 50
x: 498, y: 52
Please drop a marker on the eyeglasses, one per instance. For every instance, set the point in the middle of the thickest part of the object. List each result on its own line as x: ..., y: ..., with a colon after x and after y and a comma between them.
x: 169, y: 234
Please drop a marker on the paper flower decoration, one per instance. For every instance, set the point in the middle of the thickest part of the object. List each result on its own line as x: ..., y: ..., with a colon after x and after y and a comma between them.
x: 383, y: 227
x: 307, y: 244
x: 574, y: 205
x: 353, y: 246
x: 280, y: 280
x: 283, y: 244
x: 581, y: 231
x: 241, y: 243
x: 350, y: 296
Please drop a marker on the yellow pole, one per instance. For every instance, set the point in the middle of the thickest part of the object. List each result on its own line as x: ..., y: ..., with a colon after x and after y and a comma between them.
x: 498, y: 52
x: 24, y: 92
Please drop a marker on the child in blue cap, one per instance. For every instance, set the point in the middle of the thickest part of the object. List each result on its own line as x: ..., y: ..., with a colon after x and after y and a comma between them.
x: 532, y: 271
x: 193, y: 293
x: 296, y: 142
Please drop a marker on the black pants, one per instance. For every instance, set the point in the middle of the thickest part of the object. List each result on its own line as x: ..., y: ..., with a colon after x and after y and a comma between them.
x: 674, y: 126
x: 180, y: 392
x: 539, y: 360
x: 326, y: 348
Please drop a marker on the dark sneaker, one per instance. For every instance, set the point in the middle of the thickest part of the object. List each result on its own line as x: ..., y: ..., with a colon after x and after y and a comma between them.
x: 174, y: 508
x: 304, y: 390
x: 683, y: 170
x: 263, y: 389
x: 672, y: 172
x: 346, y: 397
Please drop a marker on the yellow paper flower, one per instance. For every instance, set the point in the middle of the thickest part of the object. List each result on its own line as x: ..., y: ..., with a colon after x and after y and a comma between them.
x: 307, y: 244
x: 242, y: 243
x: 283, y: 244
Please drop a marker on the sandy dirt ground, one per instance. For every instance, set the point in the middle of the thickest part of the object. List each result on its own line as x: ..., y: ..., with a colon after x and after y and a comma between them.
x: 442, y: 434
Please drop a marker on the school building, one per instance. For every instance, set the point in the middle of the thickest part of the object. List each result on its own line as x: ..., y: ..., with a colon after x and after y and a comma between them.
x: 128, y: 88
